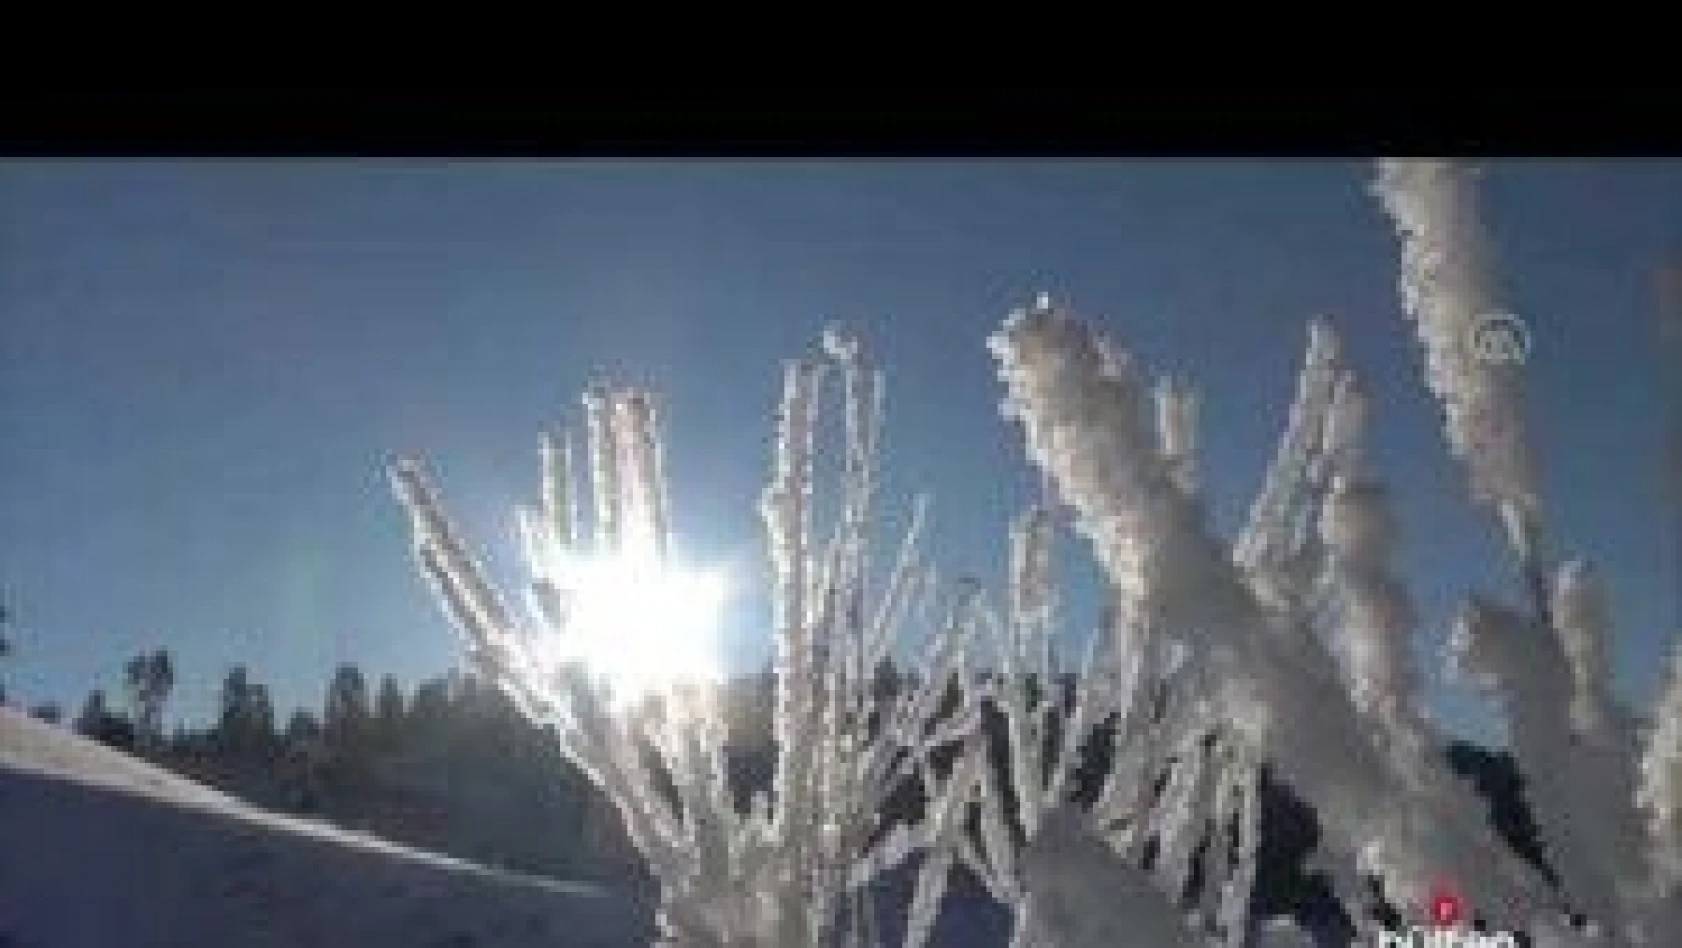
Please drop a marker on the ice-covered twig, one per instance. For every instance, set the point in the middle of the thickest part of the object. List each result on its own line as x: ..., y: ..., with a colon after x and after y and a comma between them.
x: 1661, y: 779
x: 791, y: 870
x: 1276, y: 529
x: 1549, y: 671
x: 1448, y: 293
x: 1374, y: 616
x: 1274, y: 691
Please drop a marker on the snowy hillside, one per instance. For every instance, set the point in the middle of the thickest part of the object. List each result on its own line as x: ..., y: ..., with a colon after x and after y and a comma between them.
x: 97, y: 848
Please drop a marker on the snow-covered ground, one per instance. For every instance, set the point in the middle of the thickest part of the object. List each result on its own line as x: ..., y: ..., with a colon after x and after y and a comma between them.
x: 100, y: 849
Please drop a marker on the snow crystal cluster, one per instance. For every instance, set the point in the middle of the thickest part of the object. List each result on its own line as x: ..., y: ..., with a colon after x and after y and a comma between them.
x: 1284, y: 648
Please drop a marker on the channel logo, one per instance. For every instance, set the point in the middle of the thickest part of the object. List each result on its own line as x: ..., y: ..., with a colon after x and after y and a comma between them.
x: 1446, y: 910
x: 1498, y: 339
x: 1446, y: 938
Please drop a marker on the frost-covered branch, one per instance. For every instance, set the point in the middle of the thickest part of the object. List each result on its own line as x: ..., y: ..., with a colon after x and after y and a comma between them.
x: 1661, y: 780
x: 1447, y: 291
x: 1065, y: 885
x: 1274, y: 538
x: 791, y: 869
x: 1176, y: 425
x: 1285, y: 648
x: 1373, y: 613
x: 1129, y: 484
x: 1274, y: 691
x: 1549, y: 671
x: 1582, y: 791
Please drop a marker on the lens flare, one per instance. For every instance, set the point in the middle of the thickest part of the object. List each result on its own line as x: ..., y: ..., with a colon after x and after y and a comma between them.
x: 640, y: 621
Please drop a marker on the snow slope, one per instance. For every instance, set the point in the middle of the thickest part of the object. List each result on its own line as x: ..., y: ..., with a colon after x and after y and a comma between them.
x: 100, y: 849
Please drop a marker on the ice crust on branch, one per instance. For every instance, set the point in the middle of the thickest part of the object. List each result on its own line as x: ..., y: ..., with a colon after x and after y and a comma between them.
x: 1583, y: 619
x: 1446, y: 290
x: 1048, y: 715
x: 791, y: 869
x: 1087, y: 898
x: 1661, y: 779
x: 1280, y: 517
x: 1285, y: 648
x: 1548, y: 670
x: 1274, y: 689
x: 1176, y: 425
x: 1373, y: 612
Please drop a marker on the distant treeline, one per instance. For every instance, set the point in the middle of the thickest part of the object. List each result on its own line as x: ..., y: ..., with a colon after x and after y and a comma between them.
x: 453, y: 767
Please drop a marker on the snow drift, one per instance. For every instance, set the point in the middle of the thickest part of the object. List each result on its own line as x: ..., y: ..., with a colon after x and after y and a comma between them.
x: 98, y: 848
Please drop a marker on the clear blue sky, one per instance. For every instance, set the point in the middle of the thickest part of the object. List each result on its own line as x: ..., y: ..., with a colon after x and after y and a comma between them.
x: 203, y: 367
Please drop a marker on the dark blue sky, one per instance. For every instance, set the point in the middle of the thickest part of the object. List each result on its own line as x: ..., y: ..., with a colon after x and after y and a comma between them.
x: 204, y: 366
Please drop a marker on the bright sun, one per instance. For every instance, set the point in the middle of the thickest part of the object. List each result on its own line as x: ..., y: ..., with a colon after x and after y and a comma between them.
x: 638, y: 620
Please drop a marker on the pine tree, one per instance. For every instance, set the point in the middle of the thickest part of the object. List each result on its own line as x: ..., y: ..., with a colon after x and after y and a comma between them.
x: 430, y: 707
x: 388, y: 709
x: 149, y: 678
x: 260, y: 717
x: 99, y: 723
x: 5, y: 644
x: 246, y: 724
x: 302, y: 760
x: 92, y: 718
x: 345, y: 717
x: 302, y: 726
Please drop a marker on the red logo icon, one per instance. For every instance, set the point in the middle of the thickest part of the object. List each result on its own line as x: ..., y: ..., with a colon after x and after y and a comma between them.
x: 1446, y: 908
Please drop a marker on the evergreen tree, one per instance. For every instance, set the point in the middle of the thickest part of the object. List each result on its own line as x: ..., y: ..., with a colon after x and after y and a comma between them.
x: 431, y: 706
x: 345, y: 718
x: 247, y: 716
x: 99, y: 723
x: 302, y: 761
x: 149, y: 677
x: 93, y: 715
x: 302, y: 727
x: 261, y: 717
x: 231, y: 724
x: 388, y: 709
x: 5, y: 645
